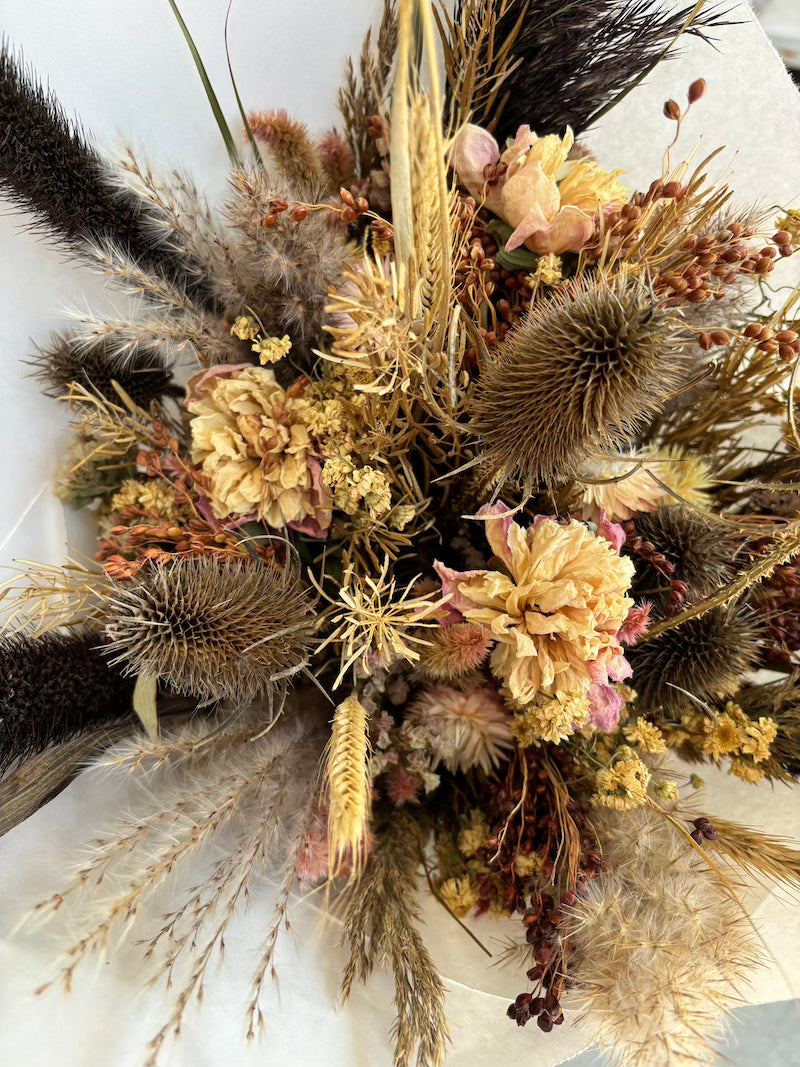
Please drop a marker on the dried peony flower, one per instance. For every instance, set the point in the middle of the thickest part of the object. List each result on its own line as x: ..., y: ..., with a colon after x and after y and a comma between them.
x: 555, y: 613
x: 623, y: 785
x: 550, y: 200
x: 473, y: 725
x: 249, y: 437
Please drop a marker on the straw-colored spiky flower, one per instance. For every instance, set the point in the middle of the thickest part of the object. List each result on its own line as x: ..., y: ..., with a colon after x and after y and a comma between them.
x: 705, y: 656
x: 348, y: 778
x: 219, y: 631
x: 472, y: 724
x: 582, y: 372
x: 661, y: 949
x: 455, y: 651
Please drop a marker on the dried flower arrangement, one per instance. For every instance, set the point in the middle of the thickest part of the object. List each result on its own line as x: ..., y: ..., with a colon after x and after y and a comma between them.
x: 432, y: 547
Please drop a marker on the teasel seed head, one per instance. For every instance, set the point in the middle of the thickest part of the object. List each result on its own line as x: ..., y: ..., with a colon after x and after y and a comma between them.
x: 705, y: 656
x: 232, y: 631
x: 142, y: 372
x: 699, y: 548
x: 53, y: 687
x: 585, y: 370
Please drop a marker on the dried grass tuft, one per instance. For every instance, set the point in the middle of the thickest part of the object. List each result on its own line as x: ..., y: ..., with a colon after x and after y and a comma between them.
x: 348, y: 779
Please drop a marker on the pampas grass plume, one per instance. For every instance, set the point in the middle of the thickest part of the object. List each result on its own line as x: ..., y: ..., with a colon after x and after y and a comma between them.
x: 661, y: 950
x: 228, y: 631
x: 585, y: 370
x: 348, y: 779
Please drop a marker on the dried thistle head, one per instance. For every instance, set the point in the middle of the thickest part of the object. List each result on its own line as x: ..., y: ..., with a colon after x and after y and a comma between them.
x: 228, y: 631
x: 586, y: 369
x: 141, y: 371
x: 698, y: 547
x: 705, y: 656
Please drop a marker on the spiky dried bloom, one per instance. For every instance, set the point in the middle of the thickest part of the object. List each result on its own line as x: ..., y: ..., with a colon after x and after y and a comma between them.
x: 661, y: 949
x: 284, y: 272
x: 54, y: 687
x: 699, y: 547
x: 250, y: 438
x: 380, y: 928
x: 455, y: 651
x: 705, y: 656
x: 372, y: 622
x: 290, y: 144
x: 596, y: 360
x: 348, y: 778
x: 141, y: 371
x: 555, y: 610
x: 566, y: 63
x: 47, y: 167
x: 229, y: 631
x: 472, y: 725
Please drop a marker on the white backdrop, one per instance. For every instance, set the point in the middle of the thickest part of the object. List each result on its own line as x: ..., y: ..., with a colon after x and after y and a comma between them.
x: 124, y: 68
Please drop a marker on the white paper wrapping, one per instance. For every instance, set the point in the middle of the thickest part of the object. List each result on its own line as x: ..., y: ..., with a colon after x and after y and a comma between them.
x: 124, y: 67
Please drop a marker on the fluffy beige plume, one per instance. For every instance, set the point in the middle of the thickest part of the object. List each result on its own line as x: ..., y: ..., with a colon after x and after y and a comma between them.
x: 661, y: 947
x: 347, y: 775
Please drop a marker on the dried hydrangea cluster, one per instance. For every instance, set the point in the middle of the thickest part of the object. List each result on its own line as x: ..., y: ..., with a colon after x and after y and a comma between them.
x: 463, y: 446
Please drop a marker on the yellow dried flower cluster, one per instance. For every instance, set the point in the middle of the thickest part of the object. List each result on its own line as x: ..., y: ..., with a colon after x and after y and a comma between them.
x: 623, y: 785
x: 474, y: 835
x: 527, y: 864
x: 459, y: 895
x: 550, y: 720
x: 268, y: 349
x: 547, y: 272
x: 358, y: 488
x: 253, y: 446
x: 666, y: 790
x: 152, y: 494
x: 646, y: 735
x: 730, y: 733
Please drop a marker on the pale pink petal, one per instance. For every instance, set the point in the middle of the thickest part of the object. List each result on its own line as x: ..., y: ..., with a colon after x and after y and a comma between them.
x: 498, y: 518
x: 198, y: 383
x: 618, y: 668
x: 605, y: 704
x: 611, y: 531
x: 528, y: 201
x: 472, y: 152
x: 458, y: 603
x: 568, y: 231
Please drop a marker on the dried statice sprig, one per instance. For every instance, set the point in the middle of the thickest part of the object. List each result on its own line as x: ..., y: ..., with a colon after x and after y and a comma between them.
x: 142, y: 371
x: 349, y: 785
x: 285, y: 270
x: 229, y: 631
x: 198, y: 788
x: 585, y: 370
x: 661, y: 949
x: 379, y: 929
x: 706, y: 657
x: 53, y: 687
x: 568, y: 62
x: 48, y: 168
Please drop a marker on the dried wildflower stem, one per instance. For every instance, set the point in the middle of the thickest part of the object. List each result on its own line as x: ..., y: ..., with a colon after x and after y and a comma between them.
x: 757, y: 851
x: 348, y: 778
x: 41, y: 596
x: 788, y: 547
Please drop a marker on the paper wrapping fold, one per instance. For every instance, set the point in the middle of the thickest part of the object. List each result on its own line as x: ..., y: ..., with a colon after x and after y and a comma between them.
x: 752, y: 108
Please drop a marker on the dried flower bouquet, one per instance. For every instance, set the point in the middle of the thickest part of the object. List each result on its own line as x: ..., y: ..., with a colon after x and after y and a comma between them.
x: 434, y: 552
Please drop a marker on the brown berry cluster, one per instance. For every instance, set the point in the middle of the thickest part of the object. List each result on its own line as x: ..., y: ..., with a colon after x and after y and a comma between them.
x: 703, y: 831
x: 675, y: 590
x: 786, y: 342
x: 473, y: 284
x: 777, y: 600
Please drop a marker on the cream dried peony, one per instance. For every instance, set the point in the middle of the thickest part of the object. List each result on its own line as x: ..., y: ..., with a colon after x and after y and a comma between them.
x: 555, y: 613
x: 250, y: 440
